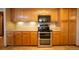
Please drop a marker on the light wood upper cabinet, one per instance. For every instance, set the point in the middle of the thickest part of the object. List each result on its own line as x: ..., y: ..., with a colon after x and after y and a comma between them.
x: 31, y: 14
x: 34, y: 38
x: 18, y: 38
x: 26, y: 38
x: 17, y: 14
x: 64, y: 14
x: 55, y: 15
x: 10, y: 38
x: 72, y: 14
x: 22, y: 14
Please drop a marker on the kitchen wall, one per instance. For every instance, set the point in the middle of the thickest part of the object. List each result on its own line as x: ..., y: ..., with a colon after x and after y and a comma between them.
x: 77, y: 29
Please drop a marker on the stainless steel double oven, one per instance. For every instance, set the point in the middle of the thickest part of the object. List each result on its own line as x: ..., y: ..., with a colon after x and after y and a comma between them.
x: 44, y: 32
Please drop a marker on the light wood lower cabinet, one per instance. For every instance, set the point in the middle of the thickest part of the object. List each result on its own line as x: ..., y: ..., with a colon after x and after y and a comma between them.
x: 34, y: 38
x: 56, y: 38
x: 26, y: 38
x: 17, y: 38
x: 10, y: 38
x: 22, y: 38
x: 64, y: 38
x: 1, y: 42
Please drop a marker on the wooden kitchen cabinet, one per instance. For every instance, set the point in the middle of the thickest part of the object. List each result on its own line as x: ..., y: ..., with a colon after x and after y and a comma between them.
x: 1, y: 42
x: 64, y: 14
x: 68, y: 26
x: 55, y: 15
x: 18, y: 38
x: 10, y: 38
x: 16, y: 14
x: 22, y: 38
x: 56, y: 38
x: 64, y: 23
x: 34, y: 38
x: 72, y: 32
x: 64, y: 33
x: 72, y: 25
x: 26, y: 38
x: 23, y: 14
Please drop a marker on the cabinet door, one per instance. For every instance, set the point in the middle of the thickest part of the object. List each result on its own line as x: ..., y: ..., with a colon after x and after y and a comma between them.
x: 26, y: 38
x: 72, y: 26
x: 55, y: 15
x: 64, y: 33
x: 64, y: 14
x: 56, y: 38
x: 34, y: 38
x: 18, y: 38
x: 10, y: 38
x: 16, y: 14
x: 1, y: 42
x: 64, y: 26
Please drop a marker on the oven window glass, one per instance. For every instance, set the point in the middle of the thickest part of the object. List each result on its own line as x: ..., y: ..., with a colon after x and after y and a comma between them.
x: 44, y: 42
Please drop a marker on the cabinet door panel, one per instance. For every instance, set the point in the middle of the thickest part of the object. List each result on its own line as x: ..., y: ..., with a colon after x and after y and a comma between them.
x: 1, y: 42
x: 72, y: 32
x: 26, y: 38
x: 72, y: 25
x: 55, y: 15
x: 18, y: 38
x: 64, y: 33
x: 10, y: 38
x: 64, y: 14
x: 56, y: 38
x: 64, y: 26
x: 64, y: 38
x: 16, y: 14
x: 34, y: 38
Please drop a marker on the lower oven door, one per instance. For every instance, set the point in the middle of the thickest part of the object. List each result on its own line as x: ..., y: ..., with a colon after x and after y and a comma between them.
x: 44, y: 39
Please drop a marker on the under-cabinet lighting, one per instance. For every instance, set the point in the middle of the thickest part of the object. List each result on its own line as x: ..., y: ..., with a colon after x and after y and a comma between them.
x: 20, y: 23
x: 32, y: 23
x: 22, y: 17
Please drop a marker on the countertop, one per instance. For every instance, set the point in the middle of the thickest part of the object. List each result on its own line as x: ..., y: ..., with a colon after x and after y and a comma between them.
x: 51, y: 28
